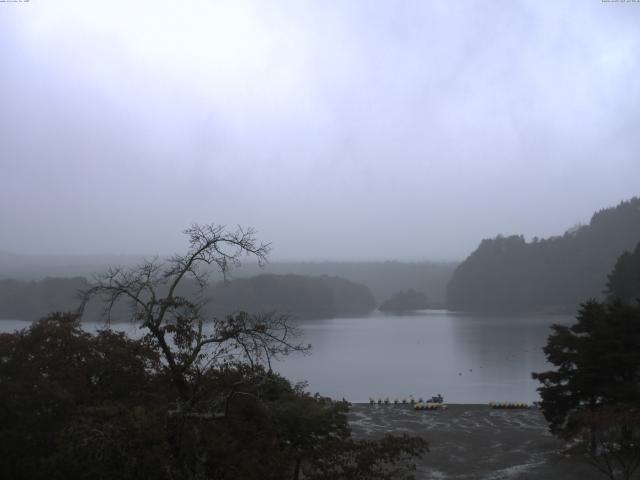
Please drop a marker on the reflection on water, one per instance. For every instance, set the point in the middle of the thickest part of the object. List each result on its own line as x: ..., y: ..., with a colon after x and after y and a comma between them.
x: 468, y: 358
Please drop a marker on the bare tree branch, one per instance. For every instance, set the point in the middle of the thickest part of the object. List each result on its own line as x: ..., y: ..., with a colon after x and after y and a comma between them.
x: 191, y: 345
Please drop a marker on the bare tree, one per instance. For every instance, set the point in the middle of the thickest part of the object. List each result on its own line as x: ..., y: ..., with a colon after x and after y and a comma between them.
x: 167, y: 300
x: 191, y: 343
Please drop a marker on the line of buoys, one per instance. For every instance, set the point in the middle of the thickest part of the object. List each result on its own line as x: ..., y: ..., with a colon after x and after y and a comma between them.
x: 509, y: 405
x: 433, y: 403
x: 395, y: 401
x: 430, y: 406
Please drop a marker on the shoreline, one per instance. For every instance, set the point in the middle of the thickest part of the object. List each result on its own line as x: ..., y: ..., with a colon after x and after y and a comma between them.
x: 474, y: 441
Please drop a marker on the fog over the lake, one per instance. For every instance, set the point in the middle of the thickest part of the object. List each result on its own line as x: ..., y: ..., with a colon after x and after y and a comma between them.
x: 339, y: 130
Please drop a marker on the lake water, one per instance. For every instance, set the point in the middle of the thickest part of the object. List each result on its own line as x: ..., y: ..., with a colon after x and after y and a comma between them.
x: 468, y: 358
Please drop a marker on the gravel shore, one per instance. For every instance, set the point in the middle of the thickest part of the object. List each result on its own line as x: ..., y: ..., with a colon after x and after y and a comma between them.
x: 475, y: 442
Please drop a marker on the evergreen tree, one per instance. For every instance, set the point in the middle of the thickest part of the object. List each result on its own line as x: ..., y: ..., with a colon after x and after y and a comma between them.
x: 624, y: 281
x: 593, y: 395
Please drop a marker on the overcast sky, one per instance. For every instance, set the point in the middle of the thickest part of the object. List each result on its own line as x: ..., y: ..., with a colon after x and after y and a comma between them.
x: 339, y: 130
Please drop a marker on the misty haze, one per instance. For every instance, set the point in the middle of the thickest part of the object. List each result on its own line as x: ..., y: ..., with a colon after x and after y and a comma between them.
x: 320, y: 240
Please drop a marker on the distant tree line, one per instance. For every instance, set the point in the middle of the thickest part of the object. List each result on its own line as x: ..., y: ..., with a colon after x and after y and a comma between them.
x: 554, y: 274
x: 296, y: 295
x: 405, y: 301
x: 31, y: 300
x: 304, y: 297
x: 383, y: 278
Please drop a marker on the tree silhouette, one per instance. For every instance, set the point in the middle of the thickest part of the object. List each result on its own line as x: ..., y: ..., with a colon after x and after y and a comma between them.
x: 593, y: 397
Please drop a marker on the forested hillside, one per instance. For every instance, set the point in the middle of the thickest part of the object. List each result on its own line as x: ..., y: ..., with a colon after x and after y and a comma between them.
x: 553, y: 274
x: 624, y: 281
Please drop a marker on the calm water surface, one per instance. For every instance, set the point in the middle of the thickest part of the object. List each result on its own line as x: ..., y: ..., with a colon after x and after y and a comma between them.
x: 467, y: 358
